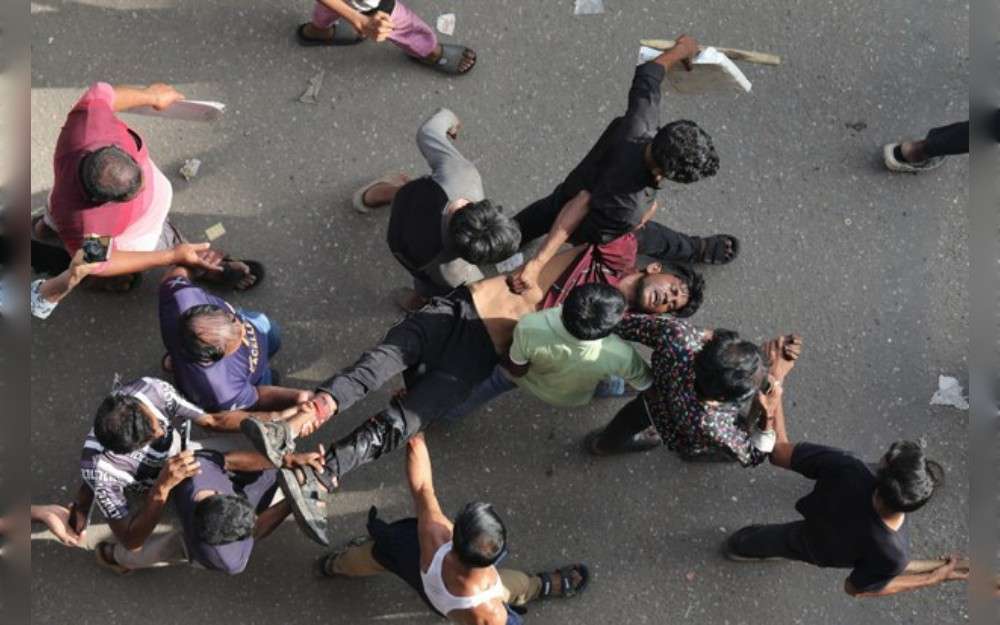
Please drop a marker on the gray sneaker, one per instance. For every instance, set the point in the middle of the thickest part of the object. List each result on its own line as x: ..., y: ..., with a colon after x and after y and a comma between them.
x: 894, y: 164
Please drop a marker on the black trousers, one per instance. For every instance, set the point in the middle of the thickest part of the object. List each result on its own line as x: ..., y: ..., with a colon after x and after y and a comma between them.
x: 783, y: 540
x: 948, y: 140
x: 655, y: 239
x: 632, y: 419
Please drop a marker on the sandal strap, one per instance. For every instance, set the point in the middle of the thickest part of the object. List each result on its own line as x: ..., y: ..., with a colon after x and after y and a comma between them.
x: 546, y: 585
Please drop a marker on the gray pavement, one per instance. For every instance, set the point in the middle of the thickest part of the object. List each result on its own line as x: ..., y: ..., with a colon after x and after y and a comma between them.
x: 869, y: 267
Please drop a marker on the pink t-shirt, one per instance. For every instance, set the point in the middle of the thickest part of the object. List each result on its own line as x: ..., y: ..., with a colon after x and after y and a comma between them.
x: 92, y: 124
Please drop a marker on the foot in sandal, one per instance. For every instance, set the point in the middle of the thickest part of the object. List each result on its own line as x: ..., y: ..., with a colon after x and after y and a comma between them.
x: 450, y: 59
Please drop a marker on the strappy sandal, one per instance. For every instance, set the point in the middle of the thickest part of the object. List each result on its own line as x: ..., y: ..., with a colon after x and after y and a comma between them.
x: 712, y: 250
x: 342, y: 36
x: 451, y: 57
x: 567, y: 589
x: 273, y: 439
x: 308, y: 500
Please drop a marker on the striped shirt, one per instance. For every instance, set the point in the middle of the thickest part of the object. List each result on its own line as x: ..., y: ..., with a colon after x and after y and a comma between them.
x: 110, y: 474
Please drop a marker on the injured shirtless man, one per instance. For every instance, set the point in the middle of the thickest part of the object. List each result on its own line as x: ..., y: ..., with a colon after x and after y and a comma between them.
x: 448, y: 347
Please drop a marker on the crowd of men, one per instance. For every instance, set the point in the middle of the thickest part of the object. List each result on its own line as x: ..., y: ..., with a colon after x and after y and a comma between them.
x: 563, y: 326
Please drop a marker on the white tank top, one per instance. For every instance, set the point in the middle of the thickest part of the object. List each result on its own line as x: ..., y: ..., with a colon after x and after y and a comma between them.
x: 443, y: 600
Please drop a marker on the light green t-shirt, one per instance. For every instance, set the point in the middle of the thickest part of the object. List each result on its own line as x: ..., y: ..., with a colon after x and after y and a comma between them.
x: 565, y: 371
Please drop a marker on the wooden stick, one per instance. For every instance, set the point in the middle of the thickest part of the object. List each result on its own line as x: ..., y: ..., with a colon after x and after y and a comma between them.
x: 749, y: 56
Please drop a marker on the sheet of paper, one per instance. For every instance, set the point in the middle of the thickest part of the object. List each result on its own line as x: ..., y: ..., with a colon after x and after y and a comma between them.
x: 185, y: 110
x: 588, y: 7
x: 214, y: 232
x: 446, y: 24
x: 711, y: 72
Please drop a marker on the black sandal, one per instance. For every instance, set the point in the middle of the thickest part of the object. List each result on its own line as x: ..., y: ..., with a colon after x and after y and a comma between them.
x: 451, y: 57
x: 308, y: 500
x: 232, y: 277
x: 566, y: 587
x: 712, y: 250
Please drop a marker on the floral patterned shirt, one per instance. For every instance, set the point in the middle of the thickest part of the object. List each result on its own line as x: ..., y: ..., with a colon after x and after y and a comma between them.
x: 686, y: 423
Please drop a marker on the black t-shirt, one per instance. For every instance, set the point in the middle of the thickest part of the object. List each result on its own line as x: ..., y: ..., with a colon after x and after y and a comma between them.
x: 614, y: 171
x: 842, y: 527
x: 414, y: 234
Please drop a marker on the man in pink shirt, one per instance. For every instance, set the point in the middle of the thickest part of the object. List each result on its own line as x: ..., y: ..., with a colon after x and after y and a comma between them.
x: 105, y: 184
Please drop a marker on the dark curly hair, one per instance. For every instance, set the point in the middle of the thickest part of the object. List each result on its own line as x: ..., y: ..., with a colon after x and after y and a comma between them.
x: 906, y: 480
x: 695, y: 285
x: 685, y: 152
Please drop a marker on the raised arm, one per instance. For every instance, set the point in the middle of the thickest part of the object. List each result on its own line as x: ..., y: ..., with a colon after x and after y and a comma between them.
x: 135, y: 530
x: 157, y: 95
x: 566, y: 223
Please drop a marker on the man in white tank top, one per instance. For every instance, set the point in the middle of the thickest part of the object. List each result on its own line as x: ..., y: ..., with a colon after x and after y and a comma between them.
x: 452, y: 565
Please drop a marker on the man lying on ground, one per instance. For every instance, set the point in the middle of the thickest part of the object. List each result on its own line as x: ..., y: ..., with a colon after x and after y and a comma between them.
x: 451, y: 564
x: 444, y: 350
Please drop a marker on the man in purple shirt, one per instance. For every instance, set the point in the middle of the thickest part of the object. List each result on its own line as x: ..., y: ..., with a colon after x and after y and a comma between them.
x: 220, y: 355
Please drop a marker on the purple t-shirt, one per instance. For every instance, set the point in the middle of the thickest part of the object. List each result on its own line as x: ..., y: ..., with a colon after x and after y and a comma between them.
x: 258, y: 488
x: 229, y: 384
x: 110, y: 474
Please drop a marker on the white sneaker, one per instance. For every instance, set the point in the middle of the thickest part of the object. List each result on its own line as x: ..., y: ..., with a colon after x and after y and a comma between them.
x: 894, y: 164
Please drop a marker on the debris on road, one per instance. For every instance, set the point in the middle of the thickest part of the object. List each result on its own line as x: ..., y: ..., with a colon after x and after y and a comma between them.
x: 190, y: 168
x: 589, y: 7
x: 446, y: 24
x: 214, y: 232
x: 310, y: 95
x: 949, y: 393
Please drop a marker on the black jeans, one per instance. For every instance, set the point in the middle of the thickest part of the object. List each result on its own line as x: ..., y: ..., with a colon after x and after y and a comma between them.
x: 783, y: 540
x: 632, y: 419
x: 427, y: 399
x: 655, y: 239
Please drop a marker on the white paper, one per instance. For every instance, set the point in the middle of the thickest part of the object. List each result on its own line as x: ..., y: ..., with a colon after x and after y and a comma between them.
x: 190, y: 168
x: 588, y: 7
x: 949, y: 393
x: 446, y: 24
x: 711, y: 72
x: 310, y: 95
x: 185, y: 110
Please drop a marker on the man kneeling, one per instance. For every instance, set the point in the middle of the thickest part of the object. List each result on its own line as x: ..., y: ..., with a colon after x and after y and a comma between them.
x: 451, y: 565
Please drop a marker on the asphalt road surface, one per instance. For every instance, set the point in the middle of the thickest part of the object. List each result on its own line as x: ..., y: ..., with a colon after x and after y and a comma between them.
x: 869, y: 267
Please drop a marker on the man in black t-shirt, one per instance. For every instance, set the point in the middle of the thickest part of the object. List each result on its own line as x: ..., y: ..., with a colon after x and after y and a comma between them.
x: 623, y: 172
x: 855, y: 516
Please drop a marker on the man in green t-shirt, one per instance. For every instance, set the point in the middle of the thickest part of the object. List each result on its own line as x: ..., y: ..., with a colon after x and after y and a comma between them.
x: 565, y: 355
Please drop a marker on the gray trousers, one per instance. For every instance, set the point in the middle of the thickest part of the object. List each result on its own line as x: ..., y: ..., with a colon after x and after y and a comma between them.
x: 456, y: 174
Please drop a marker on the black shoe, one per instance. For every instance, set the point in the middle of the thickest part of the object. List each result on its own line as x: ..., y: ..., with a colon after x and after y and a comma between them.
x: 643, y: 441
x: 731, y: 551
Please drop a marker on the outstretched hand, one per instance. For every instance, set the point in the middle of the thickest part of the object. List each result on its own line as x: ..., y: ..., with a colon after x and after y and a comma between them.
x: 782, y: 353
x: 57, y: 519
